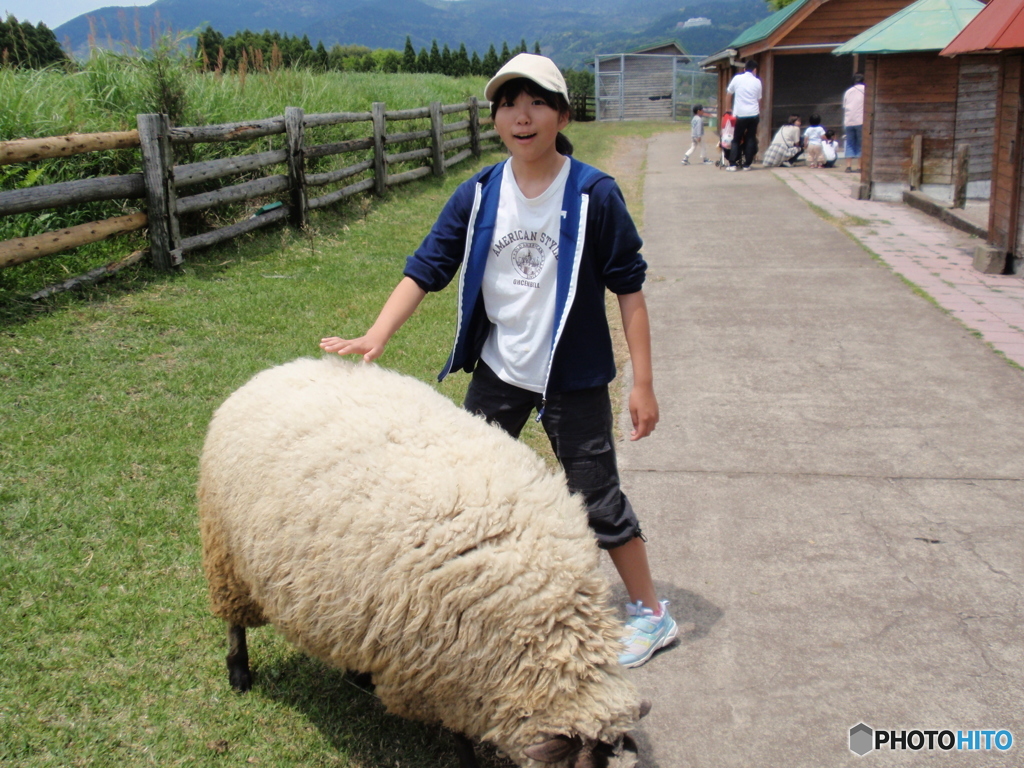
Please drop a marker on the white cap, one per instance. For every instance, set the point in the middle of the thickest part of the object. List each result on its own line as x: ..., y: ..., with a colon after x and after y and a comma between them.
x: 539, y: 69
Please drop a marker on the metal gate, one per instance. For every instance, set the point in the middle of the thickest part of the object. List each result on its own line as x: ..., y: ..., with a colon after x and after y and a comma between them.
x: 651, y: 86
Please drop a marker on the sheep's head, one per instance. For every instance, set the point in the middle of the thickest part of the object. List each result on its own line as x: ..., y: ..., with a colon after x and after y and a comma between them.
x: 577, y: 752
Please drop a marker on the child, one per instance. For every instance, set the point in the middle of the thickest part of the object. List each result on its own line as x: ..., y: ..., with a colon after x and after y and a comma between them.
x: 829, y: 149
x: 697, y: 135
x: 531, y: 326
x: 726, y: 137
x: 812, y: 141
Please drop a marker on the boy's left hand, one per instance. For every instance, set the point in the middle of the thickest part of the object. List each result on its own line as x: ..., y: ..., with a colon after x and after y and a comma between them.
x: 643, y: 411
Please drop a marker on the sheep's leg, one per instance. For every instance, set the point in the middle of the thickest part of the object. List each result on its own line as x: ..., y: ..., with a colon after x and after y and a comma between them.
x: 464, y: 749
x: 238, y: 659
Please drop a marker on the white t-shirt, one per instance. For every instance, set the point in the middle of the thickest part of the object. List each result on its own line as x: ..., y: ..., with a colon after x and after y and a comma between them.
x: 746, y: 91
x: 814, y: 134
x: 520, y: 281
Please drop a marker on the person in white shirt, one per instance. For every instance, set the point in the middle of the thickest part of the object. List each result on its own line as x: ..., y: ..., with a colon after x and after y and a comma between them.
x: 744, y: 99
x: 853, y: 119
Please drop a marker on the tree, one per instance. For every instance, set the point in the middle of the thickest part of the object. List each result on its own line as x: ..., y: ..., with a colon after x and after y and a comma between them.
x: 22, y: 45
x: 408, y: 56
x: 777, y: 5
x: 423, y: 61
x: 447, y: 68
x: 505, y: 54
x: 435, y: 58
x: 388, y: 60
x: 490, y: 63
x: 461, y: 65
x: 476, y: 67
x: 536, y: 47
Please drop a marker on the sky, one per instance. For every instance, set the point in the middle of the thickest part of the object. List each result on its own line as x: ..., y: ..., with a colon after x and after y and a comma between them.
x: 53, y: 13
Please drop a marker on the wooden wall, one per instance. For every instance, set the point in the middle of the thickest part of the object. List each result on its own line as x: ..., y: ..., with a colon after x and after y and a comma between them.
x: 912, y: 94
x: 1003, y: 214
x: 836, y: 21
x: 976, y: 111
x: 647, y: 86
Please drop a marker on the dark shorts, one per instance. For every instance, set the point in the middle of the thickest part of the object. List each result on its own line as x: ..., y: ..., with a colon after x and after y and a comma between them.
x: 579, y: 426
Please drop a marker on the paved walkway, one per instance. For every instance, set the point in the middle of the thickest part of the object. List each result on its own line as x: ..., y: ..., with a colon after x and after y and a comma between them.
x: 935, y: 257
x: 834, y: 493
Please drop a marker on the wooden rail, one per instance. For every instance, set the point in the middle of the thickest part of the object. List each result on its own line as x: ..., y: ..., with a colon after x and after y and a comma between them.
x: 168, y: 189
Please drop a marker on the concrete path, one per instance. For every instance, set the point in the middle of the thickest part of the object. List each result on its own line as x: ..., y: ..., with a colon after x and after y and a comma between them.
x: 834, y: 494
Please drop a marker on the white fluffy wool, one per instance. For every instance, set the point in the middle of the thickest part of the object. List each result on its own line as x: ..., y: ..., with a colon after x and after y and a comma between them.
x: 383, y: 529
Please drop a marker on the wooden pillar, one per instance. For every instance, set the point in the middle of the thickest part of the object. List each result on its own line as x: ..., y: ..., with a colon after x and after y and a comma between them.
x: 960, y: 167
x: 766, y: 71
x: 867, y: 148
x: 437, y: 137
x: 1012, y: 119
x: 294, y: 130
x: 474, y: 126
x: 380, y: 162
x: 916, y: 161
x: 158, y: 172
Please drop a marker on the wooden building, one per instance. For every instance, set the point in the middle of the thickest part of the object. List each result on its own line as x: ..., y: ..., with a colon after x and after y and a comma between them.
x: 793, y: 48
x: 912, y: 91
x: 997, y: 33
x: 639, y: 85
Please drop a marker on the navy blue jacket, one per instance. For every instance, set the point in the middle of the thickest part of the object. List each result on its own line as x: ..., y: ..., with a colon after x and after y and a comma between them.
x: 597, y: 232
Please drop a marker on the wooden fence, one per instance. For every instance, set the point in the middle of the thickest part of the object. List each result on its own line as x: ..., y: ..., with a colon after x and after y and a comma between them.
x: 582, y: 107
x: 164, y: 185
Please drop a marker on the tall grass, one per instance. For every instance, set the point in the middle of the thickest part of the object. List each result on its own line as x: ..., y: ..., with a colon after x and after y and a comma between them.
x: 110, y: 90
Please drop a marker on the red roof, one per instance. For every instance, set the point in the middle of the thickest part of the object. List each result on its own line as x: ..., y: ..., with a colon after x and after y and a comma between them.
x: 999, y: 25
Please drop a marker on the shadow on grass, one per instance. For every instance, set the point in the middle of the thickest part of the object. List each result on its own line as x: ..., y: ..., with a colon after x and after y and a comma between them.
x: 353, y: 721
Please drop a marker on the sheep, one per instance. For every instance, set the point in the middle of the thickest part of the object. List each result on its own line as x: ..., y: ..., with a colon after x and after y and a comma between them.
x: 382, y: 529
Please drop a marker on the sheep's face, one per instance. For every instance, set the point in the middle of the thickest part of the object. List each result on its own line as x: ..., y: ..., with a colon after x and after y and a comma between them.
x: 585, y: 753
x: 577, y: 752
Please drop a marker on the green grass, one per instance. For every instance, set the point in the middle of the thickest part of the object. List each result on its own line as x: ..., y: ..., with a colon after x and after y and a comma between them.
x: 110, y: 656
x: 108, y: 93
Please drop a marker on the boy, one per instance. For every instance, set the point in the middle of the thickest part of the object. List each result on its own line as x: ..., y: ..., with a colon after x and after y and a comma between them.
x: 697, y: 135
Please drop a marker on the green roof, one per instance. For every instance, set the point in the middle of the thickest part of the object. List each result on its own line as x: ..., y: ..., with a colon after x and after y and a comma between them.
x: 766, y: 26
x: 927, y: 25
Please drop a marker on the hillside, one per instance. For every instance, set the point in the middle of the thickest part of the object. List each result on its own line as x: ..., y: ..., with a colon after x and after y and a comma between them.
x: 571, y: 32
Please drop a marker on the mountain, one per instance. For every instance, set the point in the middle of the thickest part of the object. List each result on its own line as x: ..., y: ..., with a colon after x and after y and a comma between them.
x: 570, y: 31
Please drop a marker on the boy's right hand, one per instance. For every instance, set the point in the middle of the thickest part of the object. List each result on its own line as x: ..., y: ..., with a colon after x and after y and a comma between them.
x: 366, y: 346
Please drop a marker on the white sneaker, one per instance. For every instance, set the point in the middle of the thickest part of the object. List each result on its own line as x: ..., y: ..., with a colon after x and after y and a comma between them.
x: 732, y: 168
x: 646, y: 633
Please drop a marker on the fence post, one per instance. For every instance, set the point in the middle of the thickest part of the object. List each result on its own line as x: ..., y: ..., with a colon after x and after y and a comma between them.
x: 960, y: 167
x: 380, y: 162
x: 474, y: 126
x: 437, y: 136
x: 917, y: 161
x: 161, y: 203
x: 293, y: 126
